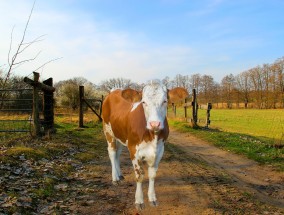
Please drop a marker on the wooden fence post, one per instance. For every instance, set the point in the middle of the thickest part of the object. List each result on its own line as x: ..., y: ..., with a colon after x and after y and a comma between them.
x: 48, y: 90
x: 48, y: 107
x: 194, y: 109
x: 209, y: 107
x: 81, y: 112
x: 36, y: 120
x: 101, y: 107
x: 185, y: 109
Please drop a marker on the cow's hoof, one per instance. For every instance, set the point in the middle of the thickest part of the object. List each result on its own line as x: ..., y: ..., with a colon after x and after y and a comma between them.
x: 115, y: 183
x: 154, y: 204
x: 121, y: 177
x: 139, y: 207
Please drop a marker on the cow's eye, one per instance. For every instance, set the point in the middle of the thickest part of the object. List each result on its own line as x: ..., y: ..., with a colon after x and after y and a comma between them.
x: 144, y: 103
x: 165, y: 101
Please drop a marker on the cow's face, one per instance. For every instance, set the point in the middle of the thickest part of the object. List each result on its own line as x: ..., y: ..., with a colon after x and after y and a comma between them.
x: 154, y: 100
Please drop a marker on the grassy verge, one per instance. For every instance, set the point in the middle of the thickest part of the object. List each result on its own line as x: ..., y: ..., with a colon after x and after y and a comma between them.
x: 261, y: 149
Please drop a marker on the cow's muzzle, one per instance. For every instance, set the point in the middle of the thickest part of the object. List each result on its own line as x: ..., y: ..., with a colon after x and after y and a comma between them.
x: 155, y: 126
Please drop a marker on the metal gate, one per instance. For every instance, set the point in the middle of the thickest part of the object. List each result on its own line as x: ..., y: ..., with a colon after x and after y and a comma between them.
x: 16, y: 110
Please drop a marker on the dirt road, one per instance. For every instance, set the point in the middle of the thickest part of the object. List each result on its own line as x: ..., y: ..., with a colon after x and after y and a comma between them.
x: 195, y: 178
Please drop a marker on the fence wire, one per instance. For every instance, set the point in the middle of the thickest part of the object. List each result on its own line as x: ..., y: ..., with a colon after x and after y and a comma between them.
x: 15, y: 110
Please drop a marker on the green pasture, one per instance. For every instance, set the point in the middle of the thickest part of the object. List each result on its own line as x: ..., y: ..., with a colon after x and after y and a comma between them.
x: 260, y: 123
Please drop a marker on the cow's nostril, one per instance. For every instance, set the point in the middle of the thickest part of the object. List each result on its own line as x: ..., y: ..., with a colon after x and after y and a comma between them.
x: 155, y: 124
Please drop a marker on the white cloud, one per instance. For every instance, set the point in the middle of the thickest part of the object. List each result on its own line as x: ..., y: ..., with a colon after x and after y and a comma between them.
x: 93, y: 50
x: 97, y: 50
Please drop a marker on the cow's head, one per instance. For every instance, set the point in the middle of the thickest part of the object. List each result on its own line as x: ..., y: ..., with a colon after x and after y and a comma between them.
x: 154, y: 99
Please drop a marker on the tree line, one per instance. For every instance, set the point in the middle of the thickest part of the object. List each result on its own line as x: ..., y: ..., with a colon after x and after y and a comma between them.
x: 259, y: 87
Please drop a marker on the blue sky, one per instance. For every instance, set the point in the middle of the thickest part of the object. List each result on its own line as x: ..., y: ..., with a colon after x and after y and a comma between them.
x: 144, y: 39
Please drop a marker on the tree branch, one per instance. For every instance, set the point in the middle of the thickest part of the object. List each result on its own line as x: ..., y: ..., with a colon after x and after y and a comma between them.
x: 12, y: 63
x: 27, y: 60
x: 10, y: 48
x: 55, y: 59
x: 36, y: 40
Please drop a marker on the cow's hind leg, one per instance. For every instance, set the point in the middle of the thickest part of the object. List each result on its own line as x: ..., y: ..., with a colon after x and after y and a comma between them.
x: 118, y: 153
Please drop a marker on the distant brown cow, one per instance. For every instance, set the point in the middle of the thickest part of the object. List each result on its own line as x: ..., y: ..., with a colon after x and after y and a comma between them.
x: 177, y: 95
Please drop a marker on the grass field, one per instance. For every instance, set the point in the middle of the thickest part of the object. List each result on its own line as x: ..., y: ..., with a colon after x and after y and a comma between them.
x: 255, y: 122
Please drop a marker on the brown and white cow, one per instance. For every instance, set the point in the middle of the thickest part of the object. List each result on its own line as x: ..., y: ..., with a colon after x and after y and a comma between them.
x: 141, y: 126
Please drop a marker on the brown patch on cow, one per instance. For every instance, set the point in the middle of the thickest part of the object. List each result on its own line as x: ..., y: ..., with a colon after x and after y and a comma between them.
x: 131, y: 95
x: 116, y: 111
x: 113, y: 145
x: 165, y: 132
x: 177, y: 95
x: 139, y: 174
x: 109, y: 138
x: 132, y: 150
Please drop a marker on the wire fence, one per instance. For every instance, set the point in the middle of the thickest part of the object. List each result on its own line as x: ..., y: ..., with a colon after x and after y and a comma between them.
x: 28, y: 110
x: 15, y: 110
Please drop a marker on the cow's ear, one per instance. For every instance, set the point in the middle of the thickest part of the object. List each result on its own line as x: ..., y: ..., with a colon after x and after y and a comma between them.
x: 131, y: 95
x: 177, y: 94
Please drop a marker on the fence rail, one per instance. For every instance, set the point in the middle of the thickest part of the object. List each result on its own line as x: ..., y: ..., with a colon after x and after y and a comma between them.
x: 83, y: 100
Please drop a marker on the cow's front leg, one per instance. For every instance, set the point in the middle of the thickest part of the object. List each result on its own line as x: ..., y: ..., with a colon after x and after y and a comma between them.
x: 139, y: 174
x: 151, y: 190
x: 152, y: 170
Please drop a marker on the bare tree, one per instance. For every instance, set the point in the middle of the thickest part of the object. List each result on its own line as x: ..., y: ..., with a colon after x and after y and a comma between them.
x: 195, y: 81
x: 67, y: 92
x: 167, y: 82
x: 118, y: 83
x: 13, y: 57
x: 227, y: 84
x: 20, y: 49
x: 206, y: 88
x: 279, y: 70
x: 244, y: 87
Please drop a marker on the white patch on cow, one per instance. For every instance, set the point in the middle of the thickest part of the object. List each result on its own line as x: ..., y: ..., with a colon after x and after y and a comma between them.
x: 135, y: 105
x: 150, y: 152
x: 108, y: 129
x: 154, y: 99
x: 147, y: 151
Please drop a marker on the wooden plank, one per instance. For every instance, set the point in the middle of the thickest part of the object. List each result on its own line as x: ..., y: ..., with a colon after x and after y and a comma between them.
x: 100, y: 118
x: 39, y: 85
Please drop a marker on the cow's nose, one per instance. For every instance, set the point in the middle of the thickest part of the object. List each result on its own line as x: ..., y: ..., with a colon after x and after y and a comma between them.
x: 155, y: 125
